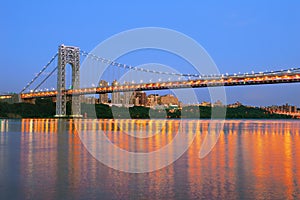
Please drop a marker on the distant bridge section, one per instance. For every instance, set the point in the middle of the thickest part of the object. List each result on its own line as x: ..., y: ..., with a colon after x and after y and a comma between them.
x: 10, y: 98
x: 217, y: 81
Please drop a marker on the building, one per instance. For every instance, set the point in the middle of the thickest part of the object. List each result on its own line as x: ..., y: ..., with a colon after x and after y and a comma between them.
x: 139, y: 98
x: 282, y: 109
x: 153, y: 100
x: 126, y: 96
x: 218, y: 103
x: 115, y: 96
x: 235, y: 105
x: 88, y: 99
x: 169, y: 99
x: 206, y: 104
x: 103, y: 98
x: 294, y: 109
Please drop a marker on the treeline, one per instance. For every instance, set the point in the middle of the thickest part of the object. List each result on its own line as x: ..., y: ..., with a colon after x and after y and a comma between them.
x: 45, y: 108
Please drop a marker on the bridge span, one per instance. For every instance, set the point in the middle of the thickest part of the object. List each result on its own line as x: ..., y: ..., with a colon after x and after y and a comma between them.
x: 71, y: 55
x: 198, y: 83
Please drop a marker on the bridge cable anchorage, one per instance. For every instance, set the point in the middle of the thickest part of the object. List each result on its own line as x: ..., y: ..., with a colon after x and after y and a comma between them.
x: 43, y: 69
x: 43, y: 81
x: 189, y: 76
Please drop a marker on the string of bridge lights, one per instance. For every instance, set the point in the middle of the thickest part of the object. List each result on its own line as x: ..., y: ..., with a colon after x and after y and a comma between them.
x: 37, y: 75
x: 113, y: 63
x: 125, y: 66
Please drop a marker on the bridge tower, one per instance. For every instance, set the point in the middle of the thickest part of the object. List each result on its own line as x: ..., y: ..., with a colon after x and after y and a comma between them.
x: 67, y: 55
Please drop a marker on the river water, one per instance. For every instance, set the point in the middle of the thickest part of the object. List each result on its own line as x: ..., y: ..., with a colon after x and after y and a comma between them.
x: 47, y: 159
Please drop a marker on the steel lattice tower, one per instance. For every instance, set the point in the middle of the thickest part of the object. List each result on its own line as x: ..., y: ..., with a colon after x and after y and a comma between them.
x: 67, y: 55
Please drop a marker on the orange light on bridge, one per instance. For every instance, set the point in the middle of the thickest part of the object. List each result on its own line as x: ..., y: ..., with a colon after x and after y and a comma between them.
x: 5, y: 97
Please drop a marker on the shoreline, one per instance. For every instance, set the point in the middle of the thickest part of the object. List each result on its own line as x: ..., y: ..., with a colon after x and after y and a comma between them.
x: 46, y: 109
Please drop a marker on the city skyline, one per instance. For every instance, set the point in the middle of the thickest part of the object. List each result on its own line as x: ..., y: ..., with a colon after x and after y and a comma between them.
x: 160, y: 93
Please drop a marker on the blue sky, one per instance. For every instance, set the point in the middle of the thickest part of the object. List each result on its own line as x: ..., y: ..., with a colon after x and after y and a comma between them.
x: 240, y: 36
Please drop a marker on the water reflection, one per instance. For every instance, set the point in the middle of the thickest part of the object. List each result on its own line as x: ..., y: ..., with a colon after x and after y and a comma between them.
x: 253, y: 159
x: 3, y: 125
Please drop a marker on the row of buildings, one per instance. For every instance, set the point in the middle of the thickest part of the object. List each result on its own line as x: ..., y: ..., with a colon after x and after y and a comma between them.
x: 137, y: 98
x: 286, y: 108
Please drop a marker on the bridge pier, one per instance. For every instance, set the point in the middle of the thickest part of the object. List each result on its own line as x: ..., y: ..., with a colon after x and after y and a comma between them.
x: 67, y: 55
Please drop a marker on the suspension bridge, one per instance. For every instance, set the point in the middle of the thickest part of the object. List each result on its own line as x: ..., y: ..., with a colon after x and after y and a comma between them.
x: 71, y: 55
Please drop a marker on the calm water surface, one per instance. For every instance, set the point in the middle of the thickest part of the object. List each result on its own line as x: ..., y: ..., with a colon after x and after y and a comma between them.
x: 253, y: 159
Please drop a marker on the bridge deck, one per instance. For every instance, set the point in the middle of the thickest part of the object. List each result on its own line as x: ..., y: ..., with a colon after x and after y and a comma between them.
x: 209, y: 82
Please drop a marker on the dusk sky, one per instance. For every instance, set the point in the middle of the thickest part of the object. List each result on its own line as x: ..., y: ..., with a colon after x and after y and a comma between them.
x: 239, y: 36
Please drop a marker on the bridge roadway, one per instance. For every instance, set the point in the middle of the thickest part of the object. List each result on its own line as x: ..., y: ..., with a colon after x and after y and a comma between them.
x: 205, y: 82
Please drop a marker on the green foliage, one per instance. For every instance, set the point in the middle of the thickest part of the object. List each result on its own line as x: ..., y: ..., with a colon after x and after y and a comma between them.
x: 45, y: 108
x: 243, y: 112
x: 139, y: 112
x: 103, y: 111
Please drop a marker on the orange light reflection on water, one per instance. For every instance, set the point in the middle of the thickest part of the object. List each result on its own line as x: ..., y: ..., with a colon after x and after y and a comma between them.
x: 257, y: 157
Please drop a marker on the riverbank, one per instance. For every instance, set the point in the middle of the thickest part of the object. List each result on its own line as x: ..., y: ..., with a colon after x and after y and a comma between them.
x: 45, y: 108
